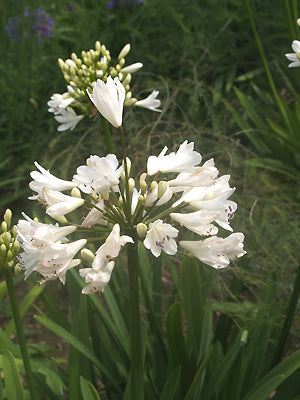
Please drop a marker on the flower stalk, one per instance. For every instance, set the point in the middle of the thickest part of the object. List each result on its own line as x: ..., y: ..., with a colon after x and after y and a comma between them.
x: 19, y: 328
x: 136, y: 373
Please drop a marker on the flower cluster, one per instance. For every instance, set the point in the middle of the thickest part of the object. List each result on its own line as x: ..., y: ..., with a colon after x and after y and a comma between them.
x: 83, y: 74
x: 174, y: 196
x: 36, y: 21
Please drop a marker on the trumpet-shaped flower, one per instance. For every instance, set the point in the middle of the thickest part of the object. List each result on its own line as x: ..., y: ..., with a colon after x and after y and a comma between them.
x: 150, y: 102
x: 58, y: 102
x: 100, y: 174
x: 200, y: 176
x: 183, y: 160
x: 198, y: 221
x: 111, y: 248
x: 59, y: 204
x: 67, y: 118
x: 99, y: 275
x: 44, y: 179
x: 215, y: 251
x: 212, y: 197
x: 160, y: 237
x: 294, y: 57
x: 43, y: 250
x: 109, y: 98
x: 96, y: 279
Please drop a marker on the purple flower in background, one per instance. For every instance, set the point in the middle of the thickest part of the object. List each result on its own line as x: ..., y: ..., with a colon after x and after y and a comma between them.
x: 114, y: 3
x: 37, y: 21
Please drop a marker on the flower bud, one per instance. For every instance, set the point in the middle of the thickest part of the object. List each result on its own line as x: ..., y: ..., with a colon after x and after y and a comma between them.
x: 14, y: 231
x: 121, y: 202
x: 7, y: 217
x: 121, y: 63
x: 124, y: 51
x: 130, y: 102
x: 298, y: 21
x: 99, y: 73
x: 127, y: 80
x: 87, y: 255
x: 98, y: 46
x: 153, y: 185
x: 9, y: 255
x: 131, y: 184
x: 2, y: 250
x: 4, y: 226
x: 143, y: 186
x: 16, y: 247
x: 162, y: 187
x: 17, y: 269
x: 61, y: 63
x: 6, y: 238
x: 128, y: 164
x: 103, y: 50
x: 75, y: 192
x: 141, y: 230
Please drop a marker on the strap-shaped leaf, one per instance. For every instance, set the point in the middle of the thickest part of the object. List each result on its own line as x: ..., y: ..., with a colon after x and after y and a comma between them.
x: 88, y: 390
x: 170, y: 387
x: 12, y: 379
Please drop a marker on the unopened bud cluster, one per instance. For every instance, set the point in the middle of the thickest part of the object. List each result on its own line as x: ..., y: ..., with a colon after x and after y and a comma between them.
x: 81, y: 74
x: 9, y: 245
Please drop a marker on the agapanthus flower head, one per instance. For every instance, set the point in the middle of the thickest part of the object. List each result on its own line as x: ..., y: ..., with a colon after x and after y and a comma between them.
x: 94, y: 77
x: 185, y: 198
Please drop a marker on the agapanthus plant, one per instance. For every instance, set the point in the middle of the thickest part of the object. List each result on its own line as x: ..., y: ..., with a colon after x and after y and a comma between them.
x: 83, y: 74
x: 176, y: 202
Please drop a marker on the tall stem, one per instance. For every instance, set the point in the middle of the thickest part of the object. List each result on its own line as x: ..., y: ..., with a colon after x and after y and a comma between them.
x: 107, y: 135
x: 18, y: 323
x: 136, y: 373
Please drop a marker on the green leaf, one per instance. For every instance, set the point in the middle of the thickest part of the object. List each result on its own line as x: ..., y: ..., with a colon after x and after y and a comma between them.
x: 177, y: 346
x: 12, y: 379
x: 26, y: 303
x: 88, y: 390
x: 214, y: 385
x: 170, y: 387
x: 192, y: 300
x: 73, y: 341
x: 274, y: 377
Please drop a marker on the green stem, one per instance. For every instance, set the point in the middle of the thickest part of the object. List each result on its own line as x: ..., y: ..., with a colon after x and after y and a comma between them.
x: 18, y: 323
x: 136, y: 373
x: 107, y: 135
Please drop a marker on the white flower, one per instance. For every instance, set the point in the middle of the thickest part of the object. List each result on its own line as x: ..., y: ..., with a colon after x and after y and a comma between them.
x: 212, y: 197
x: 216, y: 252
x: 183, y: 160
x: 96, y: 279
x: 95, y: 216
x: 295, y: 57
x: 160, y: 237
x: 68, y: 119
x: 111, y: 248
x: 99, y: 175
x: 109, y: 98
x: 200, y: 176
x: 43, y: 250
x: 45, y: 179
x: 99, y: 275
x: 37, y: 234
x: 198, y: 221
x: 58, y: 203
x: 130, y: 69
x: 58, y: 102
x: 150, y: 102
x: 225, y: 214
